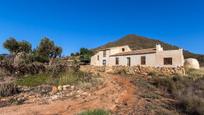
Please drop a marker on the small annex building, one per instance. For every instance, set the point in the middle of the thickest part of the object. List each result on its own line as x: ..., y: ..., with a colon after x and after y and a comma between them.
x: 124, y: 56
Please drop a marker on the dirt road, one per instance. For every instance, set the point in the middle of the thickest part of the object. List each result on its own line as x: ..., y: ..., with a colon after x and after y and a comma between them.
x: 117, y: 94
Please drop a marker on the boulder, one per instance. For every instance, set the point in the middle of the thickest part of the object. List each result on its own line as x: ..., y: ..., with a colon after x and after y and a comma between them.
x: 191, y: 63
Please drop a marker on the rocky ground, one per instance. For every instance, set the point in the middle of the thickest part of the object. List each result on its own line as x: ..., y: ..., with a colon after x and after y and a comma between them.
x: 115, y: 93
x: 119, y: 94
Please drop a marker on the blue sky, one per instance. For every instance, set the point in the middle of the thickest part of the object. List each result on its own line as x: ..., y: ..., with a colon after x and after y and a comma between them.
x: 90, y: 23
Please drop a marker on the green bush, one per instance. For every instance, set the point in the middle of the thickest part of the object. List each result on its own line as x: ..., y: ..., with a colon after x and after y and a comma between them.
x: 41, y: 59
x: 95, y: 112
x: 8, y: 89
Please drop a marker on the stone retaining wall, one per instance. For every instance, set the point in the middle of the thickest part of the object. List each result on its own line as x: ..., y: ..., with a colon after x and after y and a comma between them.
x: 133, y: 70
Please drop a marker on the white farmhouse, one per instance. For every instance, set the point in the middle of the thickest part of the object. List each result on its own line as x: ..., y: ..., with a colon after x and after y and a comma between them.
x: 124, y: 56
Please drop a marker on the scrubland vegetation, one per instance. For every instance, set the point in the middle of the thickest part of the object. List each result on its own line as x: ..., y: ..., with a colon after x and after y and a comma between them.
x: 40, y: 66
x: 95, y: 112
x: 8, y: 89
x: 187, y: 91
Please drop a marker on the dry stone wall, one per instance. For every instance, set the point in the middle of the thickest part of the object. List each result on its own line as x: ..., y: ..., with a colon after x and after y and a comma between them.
x: 133, y: 70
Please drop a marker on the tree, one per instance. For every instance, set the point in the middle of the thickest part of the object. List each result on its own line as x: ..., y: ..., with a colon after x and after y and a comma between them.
x: 72, y: 54
x: 85, y: 55
x: 24, y: 46
x: 75, y: 54
x: 56, y: 52
x: 47, y: 49
x: 15, y: 46
x: 11, y: 45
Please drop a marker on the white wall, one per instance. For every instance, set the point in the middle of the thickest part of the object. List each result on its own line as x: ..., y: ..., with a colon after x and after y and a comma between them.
x: 115, y: 50
x: 135, y: 60
x: 109, y: 52
x: 154, y: 59
x: 176, y: 55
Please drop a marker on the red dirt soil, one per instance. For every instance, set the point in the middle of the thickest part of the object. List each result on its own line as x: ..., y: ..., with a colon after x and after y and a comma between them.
x: 117, y: 94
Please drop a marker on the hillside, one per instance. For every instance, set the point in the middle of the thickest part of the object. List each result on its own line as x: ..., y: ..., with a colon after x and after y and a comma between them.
x: 139, y: 42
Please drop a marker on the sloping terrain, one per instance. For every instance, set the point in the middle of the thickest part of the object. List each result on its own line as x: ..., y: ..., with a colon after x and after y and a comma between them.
x: 120, y: 95
x: 112, y: 95
x: 138, y: 42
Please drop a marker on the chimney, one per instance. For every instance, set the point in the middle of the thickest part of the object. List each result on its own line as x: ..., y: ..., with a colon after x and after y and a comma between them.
x: 159, y: 48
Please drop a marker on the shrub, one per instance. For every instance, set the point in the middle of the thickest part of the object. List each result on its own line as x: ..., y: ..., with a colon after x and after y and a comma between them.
x: 166, y: 84
x: 95, y: 112
x: 150, y: 95
x: 194, y: 73
x: 188, y: 92
x: 7, y: 67
x: 55, y: 70
x: 192, y: 105
x: 8, y: 89
x: 21, y: 69
x: 41, y: 59
x: 33, y: 68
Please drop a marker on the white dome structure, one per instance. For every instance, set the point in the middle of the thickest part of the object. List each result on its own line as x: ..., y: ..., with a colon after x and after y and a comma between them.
x: 191, y: 63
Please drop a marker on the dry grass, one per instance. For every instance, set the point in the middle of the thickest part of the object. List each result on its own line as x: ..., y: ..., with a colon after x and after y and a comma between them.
x: 8, y: 89
x: 95, y: 112
x: 64, y: 78
x: 188, y: 92
x: 195, y: 73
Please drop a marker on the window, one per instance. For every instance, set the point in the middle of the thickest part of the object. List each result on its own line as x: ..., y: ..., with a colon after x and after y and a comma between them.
x: 128, y: 61
x: 104, y: 53
x: 104, y: 62
x: 123, y: 49
x: 143, y: 60
x: 97, y: 57
x: 167, y: 61
x: 116, y: 61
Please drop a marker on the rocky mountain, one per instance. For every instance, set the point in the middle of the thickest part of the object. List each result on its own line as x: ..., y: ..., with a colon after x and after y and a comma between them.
x: 139, y: 42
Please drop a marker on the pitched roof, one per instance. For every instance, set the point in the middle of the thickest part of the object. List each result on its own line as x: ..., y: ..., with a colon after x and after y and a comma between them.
x: 102, y: 49
x: 136, y: 52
